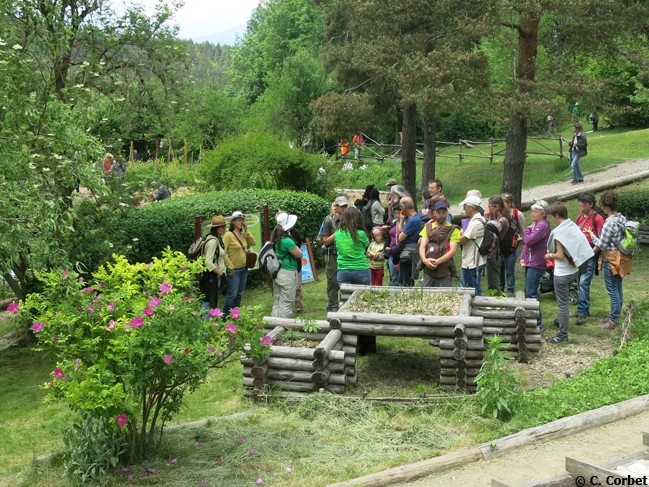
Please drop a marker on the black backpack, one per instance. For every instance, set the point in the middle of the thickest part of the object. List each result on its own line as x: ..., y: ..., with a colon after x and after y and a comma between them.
x: 197, y: 248
x: 366, y: 212
x: 509, y: 242
x: 491, y: 240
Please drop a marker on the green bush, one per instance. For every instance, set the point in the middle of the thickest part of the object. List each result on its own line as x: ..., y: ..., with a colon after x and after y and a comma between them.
x: 171, y: 222
x: 634, y: 204
x: 261, y: 161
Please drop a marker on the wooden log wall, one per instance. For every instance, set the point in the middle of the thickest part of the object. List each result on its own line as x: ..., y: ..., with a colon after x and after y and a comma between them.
x: 298, y: 371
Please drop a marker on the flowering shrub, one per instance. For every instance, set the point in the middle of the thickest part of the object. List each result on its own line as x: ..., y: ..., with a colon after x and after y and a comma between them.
x: 133, y: 341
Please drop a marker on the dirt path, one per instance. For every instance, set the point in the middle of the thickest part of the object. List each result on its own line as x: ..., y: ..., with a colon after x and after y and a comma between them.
x: 544, y: 460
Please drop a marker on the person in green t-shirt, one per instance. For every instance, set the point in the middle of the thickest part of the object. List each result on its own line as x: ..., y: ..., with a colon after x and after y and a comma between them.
x: 285, y: 282
x: 351, y: 242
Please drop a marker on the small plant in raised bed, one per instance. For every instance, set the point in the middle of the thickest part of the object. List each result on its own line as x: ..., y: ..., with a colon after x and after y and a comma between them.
x: 407, y: 302
x: 310, y: 326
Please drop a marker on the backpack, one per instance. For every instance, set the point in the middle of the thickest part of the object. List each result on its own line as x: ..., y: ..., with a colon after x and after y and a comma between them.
x: 491, y: 240
x: 268, y: 260
x: 509, y: 242
x: 197, y: 248
x: 366, y: 212
x: 438, y: 245
x: 629, y: 243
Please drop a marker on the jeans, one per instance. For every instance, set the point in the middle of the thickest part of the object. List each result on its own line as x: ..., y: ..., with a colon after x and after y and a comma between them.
x: 354, y: 276
x: 532, y: 278
x: 471, y: 278
x: 284, y: 286
x: 576, y: 171
x: 613, y: 286
x: 236, y: 287
x: 395, y: 274
x: 562, y: 293
x: 508, y: 271
x: 586, y: 273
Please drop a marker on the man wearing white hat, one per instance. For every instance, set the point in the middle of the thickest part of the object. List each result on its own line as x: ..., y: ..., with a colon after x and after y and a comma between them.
x: 472, y: 261
x: 331, y: 224
x: 285, y: 282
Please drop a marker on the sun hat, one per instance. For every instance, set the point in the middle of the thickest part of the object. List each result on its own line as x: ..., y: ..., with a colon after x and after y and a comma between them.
x: 542, y: 206
x: 286, y: 221
x: 472, y: 201
x: 237, y: 214
x: 391, y: 182
x: 341, y: 201
x: 217, y: 221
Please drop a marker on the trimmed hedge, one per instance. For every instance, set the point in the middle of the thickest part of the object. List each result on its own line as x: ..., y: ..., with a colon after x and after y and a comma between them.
x: 634, y: 204
x: 171, y: 222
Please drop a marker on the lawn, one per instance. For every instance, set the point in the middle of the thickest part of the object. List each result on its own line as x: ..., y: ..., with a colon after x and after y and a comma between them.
x: 322, y: 439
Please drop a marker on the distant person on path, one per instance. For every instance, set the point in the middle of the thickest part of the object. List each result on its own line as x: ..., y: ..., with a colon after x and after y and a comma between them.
x: 285, y: 282
x: 395, y: 269
x: 216, y: 261
x: 376, y: 257
x: 136, y: 155
x: 517, y: 230
x: 576, y: 112
x: 332, y: 223
x: 578, y: 149
x: 162, y: 193
x: 533, y: 254
x: 569, y: 249
x: 236, y: 242
x: 613, y: 263
x: 472, y: 260
x: 359, y: 143
x: 588, y: 221
x: 594, y: 119
x: 499, y: 214
x: 344, y: 147
x: 108, y: 162
x: 149, y: 155
x: 550, y: 132
x: 438, y: 245
x: 409, y: 229
x: 118, y: 168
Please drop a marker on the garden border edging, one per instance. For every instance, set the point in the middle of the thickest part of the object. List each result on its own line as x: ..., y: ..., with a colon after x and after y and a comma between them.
x: 549, y: 431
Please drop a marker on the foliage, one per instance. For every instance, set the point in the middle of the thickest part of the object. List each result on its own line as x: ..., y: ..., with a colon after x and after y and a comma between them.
x: 132, y: 342
x: 261, y: 161
x: 92, y: 448
x: 634, y: 204
x: 171, y: 222
x: 496, y: 394
x: 341, y: 115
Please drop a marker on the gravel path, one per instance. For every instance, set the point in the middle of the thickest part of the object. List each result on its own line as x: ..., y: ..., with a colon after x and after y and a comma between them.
x: 544, y: 460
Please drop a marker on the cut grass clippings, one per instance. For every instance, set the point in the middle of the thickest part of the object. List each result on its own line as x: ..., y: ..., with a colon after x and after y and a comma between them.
x: 406, y: 303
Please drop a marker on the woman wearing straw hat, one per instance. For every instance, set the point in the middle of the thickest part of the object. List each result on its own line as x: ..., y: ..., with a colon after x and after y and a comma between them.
x: 216, y: 261
x: 285, y: 282
x: 236, y: 243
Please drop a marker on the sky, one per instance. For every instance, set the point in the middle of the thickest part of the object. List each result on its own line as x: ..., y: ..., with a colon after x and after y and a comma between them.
x: 217, y: 21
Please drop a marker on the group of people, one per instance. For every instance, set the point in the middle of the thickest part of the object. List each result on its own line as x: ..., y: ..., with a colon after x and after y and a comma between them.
x: 360, y: 241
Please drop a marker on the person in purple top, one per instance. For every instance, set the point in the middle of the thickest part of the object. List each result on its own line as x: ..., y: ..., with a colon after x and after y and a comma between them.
x: 533, y: 254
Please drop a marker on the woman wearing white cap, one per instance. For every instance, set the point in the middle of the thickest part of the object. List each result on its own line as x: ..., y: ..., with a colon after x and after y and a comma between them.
x: 285, y: 282
x: 237, y: 241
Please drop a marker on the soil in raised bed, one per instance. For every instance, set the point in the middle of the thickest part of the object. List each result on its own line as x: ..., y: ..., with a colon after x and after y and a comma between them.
x: 406, y: 303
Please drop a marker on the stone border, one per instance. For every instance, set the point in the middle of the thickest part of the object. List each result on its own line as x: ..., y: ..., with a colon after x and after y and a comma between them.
x: 550, y: 431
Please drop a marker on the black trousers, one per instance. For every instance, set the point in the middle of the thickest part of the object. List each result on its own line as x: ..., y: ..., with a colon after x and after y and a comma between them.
x: 210, y: 284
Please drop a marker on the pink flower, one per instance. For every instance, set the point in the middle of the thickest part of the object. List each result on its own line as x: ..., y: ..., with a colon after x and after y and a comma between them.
x: 167, y: 359
x: 266, y: 341
x: 90, y: 308
x: 174, y: 461
x: 216, y: 313
x: 101, y: 285
x: 14, y: 307
x: 151, y: 470
x: 126, y: 470
x: 80, y: 278
x: 154, y: 302
x: 37, y: 327
x: 186, y: 298
x: 259, y: 481
x: 289, y: 469
x: 235, y: 313
x: 136, y: 322
x: 121, y: 419
x: 240, y: 441
x: 111, y: 325
x: 230, y: 328
x: 111, y: 306
x: 129, y: 478
x: 58, y: 373
x: 252, y: 452
x: 186, y: 351
x: 171, y: 307
x: 210, y: 348
x: 88, y: 289
x: 148, y: 311
x: 165, y: 288
x: 65, y: 273
x: 202, y: 483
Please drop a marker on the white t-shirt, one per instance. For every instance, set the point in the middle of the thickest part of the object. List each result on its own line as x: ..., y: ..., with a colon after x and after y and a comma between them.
x: 563, y: 268
x: 471, y: 258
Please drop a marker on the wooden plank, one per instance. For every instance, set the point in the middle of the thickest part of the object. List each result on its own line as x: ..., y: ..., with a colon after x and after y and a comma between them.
x: 271, y: 322
x: 507, y: 303
x: 420, y: 320
x: 326, y: 345
x: 588, y: 470
x: 405, y: 330
x: 501, y: 313
x: 465, y: 305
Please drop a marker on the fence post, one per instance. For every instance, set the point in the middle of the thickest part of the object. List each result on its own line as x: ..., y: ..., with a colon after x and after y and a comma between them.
x: 460, y: 152
x: 491, y: 151
x: 560, y: 148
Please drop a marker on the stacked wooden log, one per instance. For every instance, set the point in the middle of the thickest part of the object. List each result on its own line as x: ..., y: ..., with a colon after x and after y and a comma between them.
x: 643, y: 234
x: 298, y: 371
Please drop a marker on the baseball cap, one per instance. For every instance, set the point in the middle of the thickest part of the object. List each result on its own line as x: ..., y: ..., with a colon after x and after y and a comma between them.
x: 341, y: 201
x: 237, y: 214
x: 441, y: 205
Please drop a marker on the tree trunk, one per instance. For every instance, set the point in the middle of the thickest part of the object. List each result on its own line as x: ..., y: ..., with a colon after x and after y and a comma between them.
x: 430, y: 145
x: 516, y: 140
x: 15, y: 287
x: 409, y: 150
